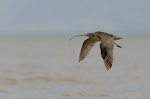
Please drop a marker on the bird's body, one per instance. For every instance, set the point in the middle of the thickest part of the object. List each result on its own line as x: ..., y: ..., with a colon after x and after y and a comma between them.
x: 106, y: 46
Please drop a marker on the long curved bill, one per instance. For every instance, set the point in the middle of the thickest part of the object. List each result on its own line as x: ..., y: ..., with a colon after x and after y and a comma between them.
x: 76, y: 36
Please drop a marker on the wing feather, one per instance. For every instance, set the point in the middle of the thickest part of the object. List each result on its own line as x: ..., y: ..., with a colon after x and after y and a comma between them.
x: 86, y: 47
x: 107, y: 53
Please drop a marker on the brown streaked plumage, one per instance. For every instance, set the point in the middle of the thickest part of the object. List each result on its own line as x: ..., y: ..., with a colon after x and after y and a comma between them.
x: 106, y: 46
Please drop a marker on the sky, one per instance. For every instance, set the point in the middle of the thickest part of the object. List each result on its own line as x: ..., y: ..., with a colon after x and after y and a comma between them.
x: 74, y: 16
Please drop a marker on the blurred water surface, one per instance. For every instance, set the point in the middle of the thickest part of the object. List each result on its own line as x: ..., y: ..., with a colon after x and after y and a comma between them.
x: 46, y: 67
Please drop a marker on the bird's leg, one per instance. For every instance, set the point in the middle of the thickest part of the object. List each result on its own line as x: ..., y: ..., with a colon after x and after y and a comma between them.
x: 117, y: 45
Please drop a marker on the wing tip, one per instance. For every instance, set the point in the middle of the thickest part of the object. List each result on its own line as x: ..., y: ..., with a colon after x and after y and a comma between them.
x: 108, y: 66
x: 80, y: 59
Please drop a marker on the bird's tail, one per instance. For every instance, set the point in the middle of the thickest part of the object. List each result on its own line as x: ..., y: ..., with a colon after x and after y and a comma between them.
x: 118, y: 38
x: 76, y: 36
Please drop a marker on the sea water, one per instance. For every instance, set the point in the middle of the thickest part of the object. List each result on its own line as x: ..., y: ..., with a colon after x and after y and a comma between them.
x: 46, y: 67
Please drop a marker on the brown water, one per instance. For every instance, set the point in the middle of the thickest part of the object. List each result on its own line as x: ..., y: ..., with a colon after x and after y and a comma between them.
x: 48, y: 68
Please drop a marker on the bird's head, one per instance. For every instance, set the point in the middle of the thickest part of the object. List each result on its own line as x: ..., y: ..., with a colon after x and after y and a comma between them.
x: 89, y: 34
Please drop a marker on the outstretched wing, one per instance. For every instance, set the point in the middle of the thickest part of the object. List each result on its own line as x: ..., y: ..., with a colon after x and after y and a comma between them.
x: 107, y: 53
x: 86, y: 47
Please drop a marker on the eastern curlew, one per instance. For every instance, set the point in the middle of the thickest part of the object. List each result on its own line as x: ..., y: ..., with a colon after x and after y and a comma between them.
x: 106, y: 46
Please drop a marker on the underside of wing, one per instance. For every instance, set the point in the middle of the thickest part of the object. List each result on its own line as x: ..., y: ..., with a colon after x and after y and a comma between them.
x: 86, y: 47
x: 107, y: 53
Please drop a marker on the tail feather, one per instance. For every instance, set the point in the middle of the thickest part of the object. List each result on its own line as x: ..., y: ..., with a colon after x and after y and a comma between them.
x: 118, y: 38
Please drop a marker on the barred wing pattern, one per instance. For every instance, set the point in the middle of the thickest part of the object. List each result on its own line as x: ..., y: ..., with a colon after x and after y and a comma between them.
x: 86, y: 47
x: 107, y: 53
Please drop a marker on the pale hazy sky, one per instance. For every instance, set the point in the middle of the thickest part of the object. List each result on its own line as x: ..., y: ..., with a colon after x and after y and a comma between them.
x: 74, y: 16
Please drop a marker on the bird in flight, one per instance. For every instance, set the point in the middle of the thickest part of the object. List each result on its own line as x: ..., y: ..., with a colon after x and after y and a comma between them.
x: 106, y: 46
